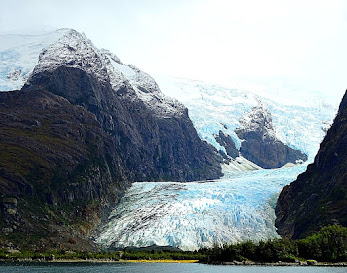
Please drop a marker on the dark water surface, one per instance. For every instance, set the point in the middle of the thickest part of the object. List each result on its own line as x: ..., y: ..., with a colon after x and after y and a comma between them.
x: 159, y: 268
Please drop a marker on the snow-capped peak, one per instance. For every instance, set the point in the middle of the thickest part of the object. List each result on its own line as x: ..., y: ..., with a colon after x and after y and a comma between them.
x: 72, y: 50
x: 25, y: 55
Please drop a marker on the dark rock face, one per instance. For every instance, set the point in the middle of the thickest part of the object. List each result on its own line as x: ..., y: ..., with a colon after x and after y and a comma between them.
x: 45, y: 138
x: 260, y: 144
x: 57, y: 163
x: 226, y: 141
x: 153, y: 148
x: 318, y: 196
x: 70, y: 145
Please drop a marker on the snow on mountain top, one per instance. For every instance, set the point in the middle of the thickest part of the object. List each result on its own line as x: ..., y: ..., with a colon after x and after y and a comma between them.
x: 22, y: 55
x: 113, y: 57
x: 212, y: 107
x: 10, y: 41
x: 73, y: 50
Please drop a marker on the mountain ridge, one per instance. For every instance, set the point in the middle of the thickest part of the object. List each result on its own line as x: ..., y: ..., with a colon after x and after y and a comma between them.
x: 318, y: 196
x: 85, y: 131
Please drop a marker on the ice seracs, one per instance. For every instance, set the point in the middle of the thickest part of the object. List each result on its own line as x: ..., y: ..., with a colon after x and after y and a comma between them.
x: 190, y: 216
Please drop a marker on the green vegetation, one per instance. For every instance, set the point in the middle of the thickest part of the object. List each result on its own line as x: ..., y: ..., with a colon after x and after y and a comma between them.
x: 163, y: 255
x: 58, y: 255
x: 327, y: 245
x: 113, y: 255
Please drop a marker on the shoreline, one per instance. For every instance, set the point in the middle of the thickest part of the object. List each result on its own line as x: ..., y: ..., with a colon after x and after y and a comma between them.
x: 103, y: 261
x: 250, y: 263
x: 94, y: 261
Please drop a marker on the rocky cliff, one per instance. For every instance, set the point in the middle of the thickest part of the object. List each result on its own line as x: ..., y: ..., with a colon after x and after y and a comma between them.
x: 259, y: 142
x: 77, y: 134
x: 57, y: 166
x: 153, y: 146
x: 318, y: 196
x: 227, y: 142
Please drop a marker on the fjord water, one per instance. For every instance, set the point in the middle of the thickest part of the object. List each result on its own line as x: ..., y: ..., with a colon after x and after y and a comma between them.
x: 160, y: 267
x: 237, y: 207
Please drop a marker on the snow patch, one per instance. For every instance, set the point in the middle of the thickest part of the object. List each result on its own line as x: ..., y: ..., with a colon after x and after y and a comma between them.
x: 238, y: 165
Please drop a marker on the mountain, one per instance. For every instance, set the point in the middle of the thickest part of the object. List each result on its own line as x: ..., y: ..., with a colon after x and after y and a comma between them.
x: 260, y: 144
x: 80, y: 130
x: 57, y: 169
x: 318, y: 196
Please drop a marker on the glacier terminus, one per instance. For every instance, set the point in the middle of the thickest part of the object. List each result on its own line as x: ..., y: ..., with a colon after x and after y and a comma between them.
x: 202, y: 214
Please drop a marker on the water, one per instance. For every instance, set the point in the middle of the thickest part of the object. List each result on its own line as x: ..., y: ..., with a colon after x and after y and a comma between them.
x: 190, y: 216
x: 160, y: 267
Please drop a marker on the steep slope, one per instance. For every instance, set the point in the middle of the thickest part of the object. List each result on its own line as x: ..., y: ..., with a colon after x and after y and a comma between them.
x: 58, y: 168
x: 227, y: 142
x: 318, y: 196
x: 260, y: 144
x: 155, y: 145
x: 80, y: 130
x: 154, y: 131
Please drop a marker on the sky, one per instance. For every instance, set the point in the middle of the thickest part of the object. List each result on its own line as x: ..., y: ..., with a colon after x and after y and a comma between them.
x: 279, y: 46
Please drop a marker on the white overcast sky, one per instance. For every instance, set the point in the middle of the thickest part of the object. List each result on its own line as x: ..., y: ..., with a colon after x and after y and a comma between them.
x: 300, y: 45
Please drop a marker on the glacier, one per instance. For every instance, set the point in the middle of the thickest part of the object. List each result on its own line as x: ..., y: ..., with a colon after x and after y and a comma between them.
x: 195, y: 215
